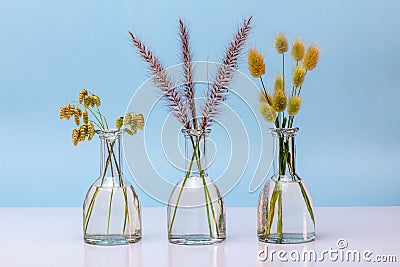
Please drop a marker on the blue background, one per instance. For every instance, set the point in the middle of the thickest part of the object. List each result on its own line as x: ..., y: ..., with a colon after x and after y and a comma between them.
x: 349, y: 148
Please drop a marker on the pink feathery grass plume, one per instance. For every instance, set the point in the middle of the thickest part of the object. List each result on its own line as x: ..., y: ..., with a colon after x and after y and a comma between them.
x: 163, y: 81
x: 189, y: 91
x: 225, y: 72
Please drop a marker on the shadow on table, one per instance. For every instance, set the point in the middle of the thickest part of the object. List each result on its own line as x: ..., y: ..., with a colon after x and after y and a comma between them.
x: 124, y: 256
x: 193, y: 256
x: 285, y: 255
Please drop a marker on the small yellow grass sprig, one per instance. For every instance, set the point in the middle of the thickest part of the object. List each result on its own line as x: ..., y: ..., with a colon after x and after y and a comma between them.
x: 87, y: 117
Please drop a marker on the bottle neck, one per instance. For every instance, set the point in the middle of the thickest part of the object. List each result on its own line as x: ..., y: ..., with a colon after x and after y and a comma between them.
x: 196, y: 153
x: 110, y: 154
x: 284, y: 161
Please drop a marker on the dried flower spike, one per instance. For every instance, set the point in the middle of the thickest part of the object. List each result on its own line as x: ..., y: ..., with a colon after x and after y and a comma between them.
x: 281, y: 44
x: 298, y: 50
x: 267, y: 112
x: 279, y: 101
x: 298, y: 76
x: 279, y: 84
x: 294, y: 105
x: 310, y: 60
x: 255, y: 63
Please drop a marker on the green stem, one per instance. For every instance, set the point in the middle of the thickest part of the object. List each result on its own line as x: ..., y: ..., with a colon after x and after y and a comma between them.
x: 109, y: 212
x: 271, y: 210
x: 206, y: 192
x: 308, y: 204
x: 181, y: 190
x: 279, y: 225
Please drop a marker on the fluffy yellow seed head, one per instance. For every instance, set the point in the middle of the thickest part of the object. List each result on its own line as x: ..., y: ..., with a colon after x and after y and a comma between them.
x: 279, y: 84
x: 279, y: 101
x: 298, y: 50
x: 298, y: 76
x: 311, y: 57
x: 255, y: 63
x: 281, y: 44
x: 294, y: 105
x: 267, y: 112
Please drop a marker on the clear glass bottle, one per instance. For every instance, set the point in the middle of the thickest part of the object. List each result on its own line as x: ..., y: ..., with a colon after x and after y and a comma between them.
x: 285, y: 206
x: 111, y: 210
x: 196, y: 210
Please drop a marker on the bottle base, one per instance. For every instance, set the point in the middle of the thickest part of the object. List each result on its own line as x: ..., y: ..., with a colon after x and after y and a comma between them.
x: 287, y: 238
x: 194, y: 240
x: 111, y: 240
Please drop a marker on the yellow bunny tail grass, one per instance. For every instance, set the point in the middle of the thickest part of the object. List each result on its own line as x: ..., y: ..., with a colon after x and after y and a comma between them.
x: 298, y: 76
x: 311, y: 57
x: 294, y: 105
x: 139, y: 121
x: 85, y: 117
x: 298, y: 50
x: 127, y: 119
x: 279, y: 84
x: 281, y: 44
x: 267, y: 112
x: 279, y: 101
x: 255, y: 63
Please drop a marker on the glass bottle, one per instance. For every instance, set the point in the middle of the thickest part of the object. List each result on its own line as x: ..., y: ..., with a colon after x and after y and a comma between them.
x: 196, y: 210
x: 285, y: 207
x: 111, y: 210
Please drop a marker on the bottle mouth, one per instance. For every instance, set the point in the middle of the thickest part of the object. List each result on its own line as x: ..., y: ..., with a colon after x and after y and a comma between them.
x: 284, y: 131
x: 109, y: 133
x: 194, y: 132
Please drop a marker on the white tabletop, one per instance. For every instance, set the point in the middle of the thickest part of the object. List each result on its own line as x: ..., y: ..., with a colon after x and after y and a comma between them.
x: 41, y: 237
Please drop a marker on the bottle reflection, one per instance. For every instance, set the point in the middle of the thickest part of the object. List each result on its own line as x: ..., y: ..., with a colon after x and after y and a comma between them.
x: 194, y: 256
x: 275, y: 255
x: 124, y: 256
